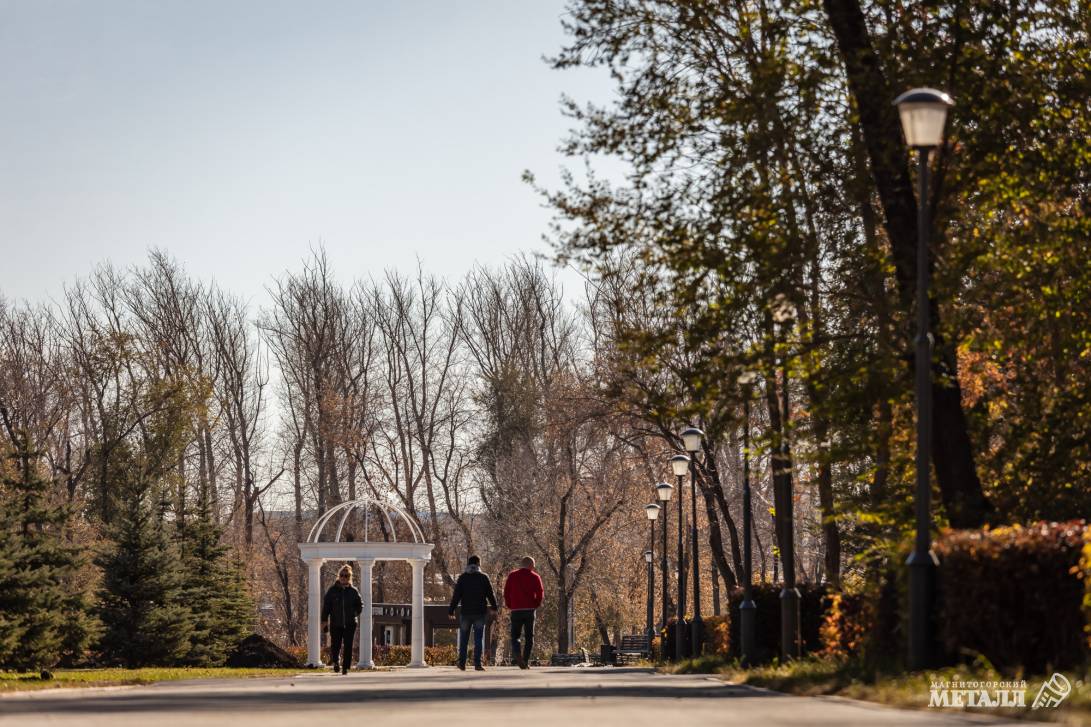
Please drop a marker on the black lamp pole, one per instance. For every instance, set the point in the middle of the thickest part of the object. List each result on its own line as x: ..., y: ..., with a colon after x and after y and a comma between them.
x: 790, y: 645
x: 923, y: 114
x: 680, y: 623
x: 649, y: 625
x: 665, y: 590
x: 747, y: 609
x: 696, y: 624
x: 922, y: 561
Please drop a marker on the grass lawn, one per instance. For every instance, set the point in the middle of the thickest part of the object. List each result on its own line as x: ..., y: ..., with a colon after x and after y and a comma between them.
x: 815, y: 676
x: 13, y: 682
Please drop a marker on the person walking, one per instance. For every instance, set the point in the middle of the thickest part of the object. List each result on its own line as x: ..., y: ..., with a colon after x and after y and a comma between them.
x: 523, y: 594
x: 340, y: 608
x: 474, y: 593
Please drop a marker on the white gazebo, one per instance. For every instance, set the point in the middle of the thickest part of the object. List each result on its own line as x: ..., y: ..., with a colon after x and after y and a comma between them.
x: 318, y: 549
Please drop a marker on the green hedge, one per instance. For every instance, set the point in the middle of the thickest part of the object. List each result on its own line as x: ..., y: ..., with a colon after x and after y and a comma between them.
x: 1019, y: 596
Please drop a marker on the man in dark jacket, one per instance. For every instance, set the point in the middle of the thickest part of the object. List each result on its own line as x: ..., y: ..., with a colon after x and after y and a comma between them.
x: 522, y: 595
x: 474, y: 592
x: 340, y: 607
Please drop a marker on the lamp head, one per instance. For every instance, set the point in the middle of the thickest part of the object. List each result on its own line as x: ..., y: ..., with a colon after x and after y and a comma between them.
x: 679, y: 465
x: 924, y: 113
x: 652, y: 511
x: 648, y: 556
x: 663, y: 491
x: 692, y: 438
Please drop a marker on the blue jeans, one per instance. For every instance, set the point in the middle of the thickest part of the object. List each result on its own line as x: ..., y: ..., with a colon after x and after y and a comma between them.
x: 465, y: 621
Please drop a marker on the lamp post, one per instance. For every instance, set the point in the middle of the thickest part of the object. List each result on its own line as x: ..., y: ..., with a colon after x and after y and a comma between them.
x: 680, y: 465
x: 652, y: 511
x: 747, y: 609
x: 663, y: 492
x: 923, y: 114
x: 784, y: 313
x: 692, y: 438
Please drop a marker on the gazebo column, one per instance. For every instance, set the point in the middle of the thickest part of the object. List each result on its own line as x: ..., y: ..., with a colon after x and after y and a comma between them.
x: 314, y: 612
x: 367, y: 641
x: 417, y: 638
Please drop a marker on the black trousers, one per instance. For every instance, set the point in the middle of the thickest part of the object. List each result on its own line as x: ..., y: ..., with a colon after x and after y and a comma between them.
x: 341, y: 638
x: 522, y: 622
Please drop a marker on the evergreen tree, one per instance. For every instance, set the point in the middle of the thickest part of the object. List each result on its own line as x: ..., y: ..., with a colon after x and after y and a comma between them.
x: 213, y: 589
x: 141, y: 602
x: 42, y: 616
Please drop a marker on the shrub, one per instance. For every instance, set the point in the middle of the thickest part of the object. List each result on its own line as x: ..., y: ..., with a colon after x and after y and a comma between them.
x: 869, y: 624
x: 812, y: 607
x: 400, y: 655
x: 1014, y: 594
x: 1084, y: 570
x: 718, y: 635
x: 849, y: 623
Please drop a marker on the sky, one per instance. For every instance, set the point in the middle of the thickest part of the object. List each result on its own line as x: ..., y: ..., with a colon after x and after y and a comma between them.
x: 238, y: 135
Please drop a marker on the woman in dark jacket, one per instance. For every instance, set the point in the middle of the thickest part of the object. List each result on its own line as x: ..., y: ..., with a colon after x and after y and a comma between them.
x: 341, y: 606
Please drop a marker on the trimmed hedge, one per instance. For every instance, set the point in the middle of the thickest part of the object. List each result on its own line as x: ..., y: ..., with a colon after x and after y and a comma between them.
x: 1014, y: 594
x: 399, y: 655
x: 1019, y: 596
x: 813, y: 603
x: 717, y: 630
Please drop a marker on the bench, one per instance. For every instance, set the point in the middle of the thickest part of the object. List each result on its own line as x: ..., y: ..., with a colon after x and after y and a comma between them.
x: 633, y: 648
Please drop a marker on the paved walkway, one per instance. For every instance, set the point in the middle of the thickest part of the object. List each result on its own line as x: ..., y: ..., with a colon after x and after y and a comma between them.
x: 445, y: 696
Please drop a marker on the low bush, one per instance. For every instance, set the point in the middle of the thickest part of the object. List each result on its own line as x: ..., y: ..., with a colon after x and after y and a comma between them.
x: 849, y: 622
x: 718, y: 636
x: 400, y: 655
x: 813, y: 603
x: 1014, y: 594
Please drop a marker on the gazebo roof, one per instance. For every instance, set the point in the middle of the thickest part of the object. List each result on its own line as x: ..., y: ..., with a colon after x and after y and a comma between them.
x: 392, y: 514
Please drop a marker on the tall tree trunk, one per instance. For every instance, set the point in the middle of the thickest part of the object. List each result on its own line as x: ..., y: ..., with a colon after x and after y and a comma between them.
x: 960, y: 488
x: 715, y: 541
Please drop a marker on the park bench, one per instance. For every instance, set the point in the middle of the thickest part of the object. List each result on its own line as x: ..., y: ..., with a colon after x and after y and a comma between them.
x: 633, y: 648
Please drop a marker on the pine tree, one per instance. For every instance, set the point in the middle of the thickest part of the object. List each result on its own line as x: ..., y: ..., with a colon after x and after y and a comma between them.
x: 42, y: 616
x: 214, y: 590
x: 141, y: 601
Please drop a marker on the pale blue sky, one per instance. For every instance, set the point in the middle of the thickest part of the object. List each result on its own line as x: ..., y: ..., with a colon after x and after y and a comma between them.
x: 235, y: 135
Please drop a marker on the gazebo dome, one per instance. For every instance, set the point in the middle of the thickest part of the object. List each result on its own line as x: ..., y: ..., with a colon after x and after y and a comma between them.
x: 366, y: 507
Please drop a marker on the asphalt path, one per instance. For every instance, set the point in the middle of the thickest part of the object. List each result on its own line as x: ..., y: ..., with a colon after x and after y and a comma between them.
x: 553, y: 697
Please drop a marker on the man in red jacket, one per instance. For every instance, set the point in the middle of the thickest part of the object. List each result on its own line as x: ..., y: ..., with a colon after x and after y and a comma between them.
x: 523, y: 594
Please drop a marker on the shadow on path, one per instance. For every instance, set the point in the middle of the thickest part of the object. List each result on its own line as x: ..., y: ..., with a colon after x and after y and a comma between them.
x: 314, y: 695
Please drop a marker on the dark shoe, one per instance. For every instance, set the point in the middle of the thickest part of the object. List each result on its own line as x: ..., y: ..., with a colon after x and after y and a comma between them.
x: 478, y: 667
x: 336, y: 668
x: 523, y: 664
x: 462, y: 666
x: 344, y: 670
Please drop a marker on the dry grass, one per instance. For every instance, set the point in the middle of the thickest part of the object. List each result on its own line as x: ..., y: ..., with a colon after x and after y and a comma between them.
x: 15, y: 682
x: 835, y: 677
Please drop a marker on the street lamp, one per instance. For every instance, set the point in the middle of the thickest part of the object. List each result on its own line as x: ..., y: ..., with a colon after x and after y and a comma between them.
x: 924, y: 113
x: 693, y: 438
x: 747, y: 609
x: 679, y: 466
x: 784, y: 313
x: 652, y: 511
x: 663, y: 492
